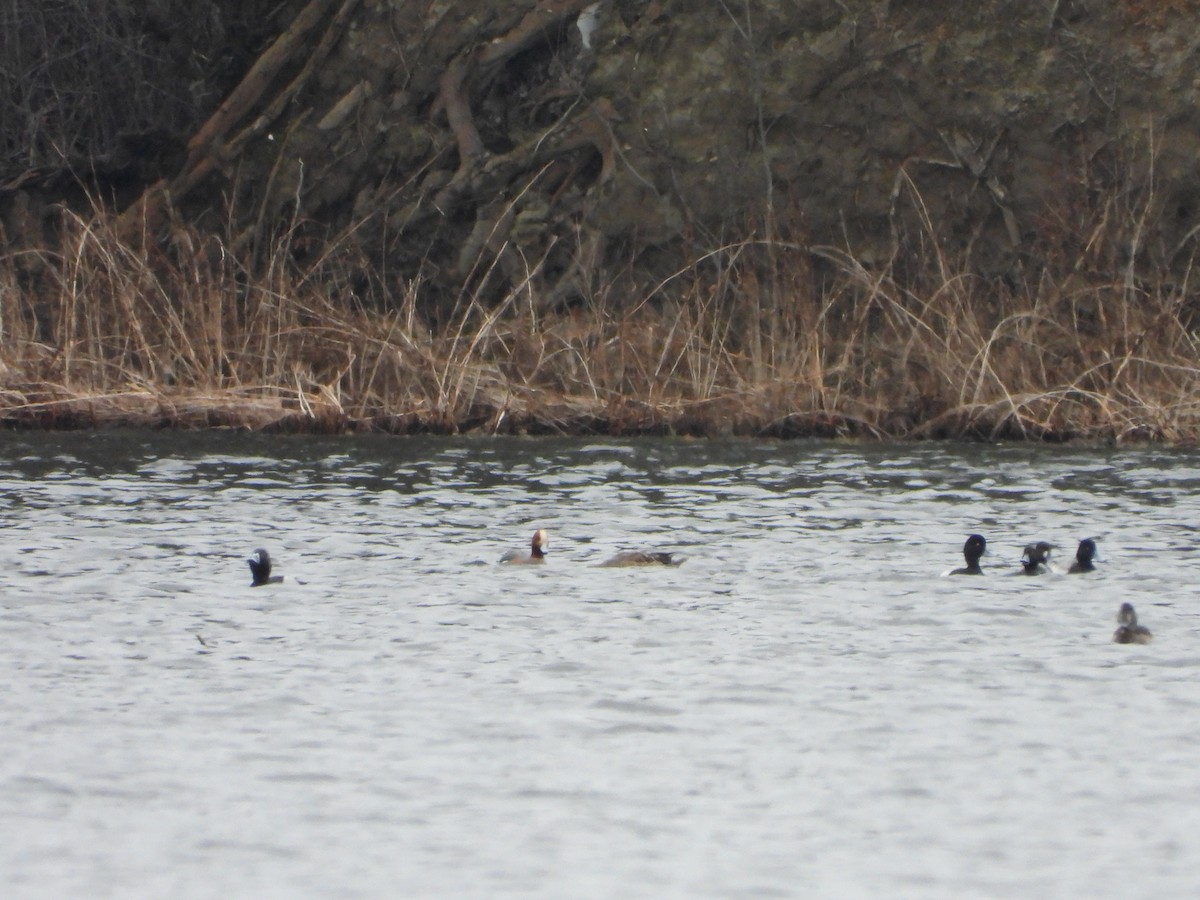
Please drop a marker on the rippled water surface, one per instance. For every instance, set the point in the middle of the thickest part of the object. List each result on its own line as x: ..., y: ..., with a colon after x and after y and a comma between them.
x: 804, y: 708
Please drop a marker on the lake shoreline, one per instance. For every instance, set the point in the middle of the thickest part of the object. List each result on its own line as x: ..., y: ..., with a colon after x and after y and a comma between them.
x: 51, y: 408
x: 108, y: 330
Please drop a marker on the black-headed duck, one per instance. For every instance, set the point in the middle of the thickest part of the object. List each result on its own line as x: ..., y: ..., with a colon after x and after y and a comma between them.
x: 1036, y: 559
x: 260, y: 569
x: 641, y: 558
x: 1083, y: 557
x: 973, y: 549
x: 1128, y: 630
x: 536, y: 554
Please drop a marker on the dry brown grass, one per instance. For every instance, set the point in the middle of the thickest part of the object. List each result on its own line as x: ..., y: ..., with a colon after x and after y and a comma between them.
x: 751, y: 339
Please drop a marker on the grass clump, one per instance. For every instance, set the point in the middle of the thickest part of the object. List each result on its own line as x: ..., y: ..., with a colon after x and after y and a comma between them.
x: 752, y: 338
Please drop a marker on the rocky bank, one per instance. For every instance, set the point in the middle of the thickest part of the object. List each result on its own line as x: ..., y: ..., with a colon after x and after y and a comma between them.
x: 570, y: 143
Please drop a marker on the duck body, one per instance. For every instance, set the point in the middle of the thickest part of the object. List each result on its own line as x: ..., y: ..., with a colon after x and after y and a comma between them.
x: 1084, y: 557
x: 641, y: 558
x: 1128, y: 630
x: 973, y: 549
x: 260, y: 569
x: 1036, y: 559
x: 536, y: 554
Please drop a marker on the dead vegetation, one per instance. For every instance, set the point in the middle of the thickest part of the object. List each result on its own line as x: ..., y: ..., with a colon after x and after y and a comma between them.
x: 753, y: 338
x: 462, y: 242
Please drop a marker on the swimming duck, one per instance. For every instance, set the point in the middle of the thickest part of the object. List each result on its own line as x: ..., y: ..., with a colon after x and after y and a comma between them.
x: 973, y: 549
x: 641, y: 558
x: 1083, y: 557
x: 1128, y: 630
x: 536, y: 554
x: 260, y: 569
x: 1036, y: 558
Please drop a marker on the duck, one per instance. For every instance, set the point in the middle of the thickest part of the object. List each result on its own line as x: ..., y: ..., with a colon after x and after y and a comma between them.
x: 973, y: 549
x: 641, y: 558
x: 1036, y: 558
x: 1083, y: 557
x: 260, y: 569
x: 536, y: 554
x: 1128, y: 630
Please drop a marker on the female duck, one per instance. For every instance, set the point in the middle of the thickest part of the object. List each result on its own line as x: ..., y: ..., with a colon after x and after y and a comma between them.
x: 1128, y: 630
x: 973, y: 549
x: 641, y: 558
x: 1083, y: 557
x: 1036, y: 558
x: 260, y: 569
x: 536, y: 554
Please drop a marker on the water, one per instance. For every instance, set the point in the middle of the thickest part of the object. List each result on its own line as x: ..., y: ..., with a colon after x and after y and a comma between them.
x: 802, y: 709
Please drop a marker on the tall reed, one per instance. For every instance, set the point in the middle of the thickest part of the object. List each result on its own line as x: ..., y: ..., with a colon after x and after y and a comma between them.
x: 197, y: 331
